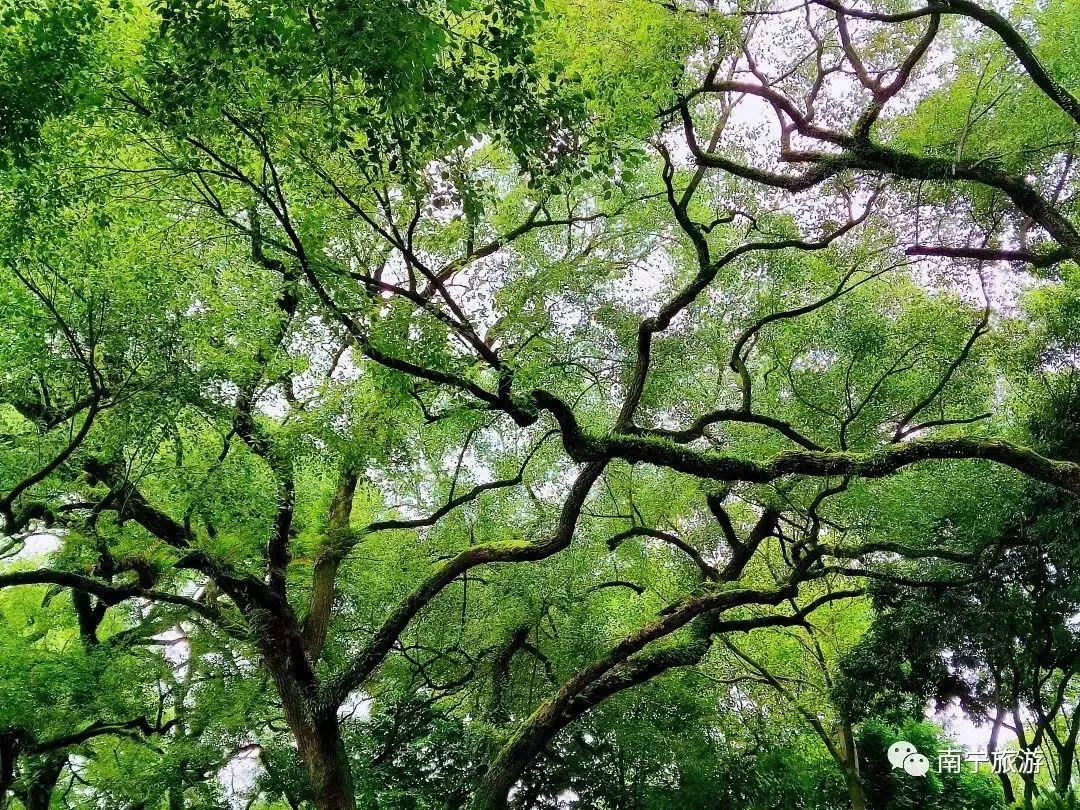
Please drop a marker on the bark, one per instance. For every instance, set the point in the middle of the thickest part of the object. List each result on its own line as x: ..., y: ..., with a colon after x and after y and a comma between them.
x: 995, y: 732
x: 505, y: 771
x: 627, y: 665
x: 1068, y: 754
x: 327, y: 563
x: 590, y: 687
x: 321, y: 749
x: 881, y: 463
x: 42, y: 782
x: 312, y: 721
x: 323, y: 587
x: 323, y: 752
x: 1021, y: 738
x: 383, y: 641
x: 850, y: 767
x: 855, y: 791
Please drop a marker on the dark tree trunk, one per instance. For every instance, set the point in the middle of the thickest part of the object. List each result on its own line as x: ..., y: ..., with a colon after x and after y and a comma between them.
x: 319, y: 744
x: 492, y: 792
x: 314, y: 727
x: 9, y: 752
x: 1006, y: 782
x: 849, y: 764
x: 323, y: 753
x: 855, y: 791
x: 42, y: 781
x: 506, y: 769
x: 1067, y: 754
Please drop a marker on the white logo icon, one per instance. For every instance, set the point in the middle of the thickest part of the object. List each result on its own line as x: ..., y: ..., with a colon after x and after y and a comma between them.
x: 902, y: 754
x: 916, y: 764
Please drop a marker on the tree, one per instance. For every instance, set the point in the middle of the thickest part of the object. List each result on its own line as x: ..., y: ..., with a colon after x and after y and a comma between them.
x: 323, y: 341
x: 1003, y: 644
x: 802, y: 670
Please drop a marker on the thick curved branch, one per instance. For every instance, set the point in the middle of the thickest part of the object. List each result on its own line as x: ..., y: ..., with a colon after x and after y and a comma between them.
x: 882, y: 95
x: 109, y: 594
x: 140, y: 725
x: 128, y: 502
x: 624, y: 668
x: 1037, y: 260
x: 619, y: 583
x: 859, y: 152
x: 376, y: 650
x: 877, y: 464
x: 707, y: 571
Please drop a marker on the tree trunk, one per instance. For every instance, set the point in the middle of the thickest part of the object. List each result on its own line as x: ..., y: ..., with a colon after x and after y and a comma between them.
x: 995, y: 731
x: 1068, y: 755
x: 328, y: 767
x: 493, y: 790
x: 600, y: 680
x: 314, y: 726
x: 41, y: 785
x: 850, y: 766
x: 855, y: 791
x: 507, y: 767
x: 319, y: 743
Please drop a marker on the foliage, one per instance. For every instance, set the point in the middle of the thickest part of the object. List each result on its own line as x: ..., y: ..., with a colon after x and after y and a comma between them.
x: 895, y: 789
x: 488, y: 403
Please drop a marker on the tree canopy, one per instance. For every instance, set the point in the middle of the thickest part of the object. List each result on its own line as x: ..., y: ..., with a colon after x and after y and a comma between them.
x: 537, y: 403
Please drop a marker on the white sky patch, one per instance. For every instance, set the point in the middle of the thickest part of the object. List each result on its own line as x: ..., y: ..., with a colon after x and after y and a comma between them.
x: 37, y: 545
x: 240, y: 774
x: 357, y: 706
x: 971, y: 735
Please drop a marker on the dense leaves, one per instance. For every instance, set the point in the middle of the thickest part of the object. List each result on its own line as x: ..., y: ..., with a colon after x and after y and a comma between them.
x: 487, y: 403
